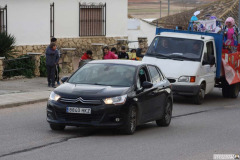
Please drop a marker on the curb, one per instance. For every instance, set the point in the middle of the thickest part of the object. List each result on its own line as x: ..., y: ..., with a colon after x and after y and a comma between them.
x: 12, y: 105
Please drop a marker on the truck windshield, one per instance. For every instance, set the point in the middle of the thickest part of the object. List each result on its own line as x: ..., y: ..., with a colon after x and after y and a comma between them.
x: 176, y: 48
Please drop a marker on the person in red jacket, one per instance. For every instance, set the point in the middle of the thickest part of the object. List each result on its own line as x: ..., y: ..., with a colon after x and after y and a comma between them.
x: 87, y: 55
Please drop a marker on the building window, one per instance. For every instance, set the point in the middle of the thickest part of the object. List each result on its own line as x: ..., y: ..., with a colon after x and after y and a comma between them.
x: 3, y: 19
x: 52, y: 20
x: 92, y: 19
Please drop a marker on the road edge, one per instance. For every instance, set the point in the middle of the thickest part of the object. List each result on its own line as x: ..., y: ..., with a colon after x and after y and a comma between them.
x: 18, y: 104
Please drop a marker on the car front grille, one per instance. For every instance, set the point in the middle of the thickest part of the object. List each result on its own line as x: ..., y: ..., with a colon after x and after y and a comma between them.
x: 77, y: 100
x: 71, y: 117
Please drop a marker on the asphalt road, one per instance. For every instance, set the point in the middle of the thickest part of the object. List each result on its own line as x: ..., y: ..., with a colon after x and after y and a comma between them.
x: 196, y: 132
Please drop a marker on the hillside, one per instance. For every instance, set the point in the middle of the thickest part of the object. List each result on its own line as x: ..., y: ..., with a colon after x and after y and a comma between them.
x: 151, y: 8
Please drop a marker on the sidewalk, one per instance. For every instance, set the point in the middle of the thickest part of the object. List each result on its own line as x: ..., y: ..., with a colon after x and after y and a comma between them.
x: 17, y: 99
x: 24, y: 91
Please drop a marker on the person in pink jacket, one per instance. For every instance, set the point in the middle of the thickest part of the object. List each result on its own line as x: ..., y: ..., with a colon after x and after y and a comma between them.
x: 108, y: 54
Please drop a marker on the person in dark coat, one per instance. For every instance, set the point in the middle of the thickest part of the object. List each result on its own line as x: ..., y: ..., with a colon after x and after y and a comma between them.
x: 123, y: 54
x: 52, y: 58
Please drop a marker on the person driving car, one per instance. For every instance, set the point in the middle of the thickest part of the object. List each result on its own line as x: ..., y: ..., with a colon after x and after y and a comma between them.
x: 196, y: 48
x: 164, y: 47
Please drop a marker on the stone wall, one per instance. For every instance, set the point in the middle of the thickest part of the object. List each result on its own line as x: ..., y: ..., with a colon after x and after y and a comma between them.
x: 143, y: 44
x: 1, y: 67
x: 81, y: 44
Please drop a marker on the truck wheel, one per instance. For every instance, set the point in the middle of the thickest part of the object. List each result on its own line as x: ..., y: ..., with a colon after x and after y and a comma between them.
x: 234, y: 90
x: 198, y: 99
x: 225, y: 89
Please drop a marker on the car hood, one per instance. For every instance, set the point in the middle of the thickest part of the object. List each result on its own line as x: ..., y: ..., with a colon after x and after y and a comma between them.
x: 68, y: 90
x: 174, y: 68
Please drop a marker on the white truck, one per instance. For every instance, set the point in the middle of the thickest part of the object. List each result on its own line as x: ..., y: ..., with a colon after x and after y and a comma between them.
x: 192, y: 62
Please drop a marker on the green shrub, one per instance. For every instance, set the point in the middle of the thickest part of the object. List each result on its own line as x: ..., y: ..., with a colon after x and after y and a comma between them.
x: 22, y: 63
x: 7, y: 44
x: 43, y: 67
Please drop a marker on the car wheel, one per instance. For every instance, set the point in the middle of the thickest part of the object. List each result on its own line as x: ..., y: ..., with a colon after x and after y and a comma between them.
x: 57, y: 127
x: 198, y: 99
x: 131, y: 123
x: 167, y: 116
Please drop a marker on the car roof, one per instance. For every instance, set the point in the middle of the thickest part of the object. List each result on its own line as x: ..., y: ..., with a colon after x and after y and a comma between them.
x: 124, y: 62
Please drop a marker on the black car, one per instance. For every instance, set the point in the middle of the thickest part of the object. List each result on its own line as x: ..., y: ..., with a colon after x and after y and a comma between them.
x: 111, y: 93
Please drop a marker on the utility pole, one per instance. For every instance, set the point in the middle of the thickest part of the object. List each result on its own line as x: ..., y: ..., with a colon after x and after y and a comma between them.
x: 160, y: 8
x: 169, y: 6
x: 239, y: 14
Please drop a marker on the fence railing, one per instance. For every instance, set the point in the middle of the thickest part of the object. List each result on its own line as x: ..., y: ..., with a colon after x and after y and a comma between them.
x: 14, y: 69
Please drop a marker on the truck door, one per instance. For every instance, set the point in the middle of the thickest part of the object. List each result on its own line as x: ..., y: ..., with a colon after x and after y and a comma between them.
x: 209, y: 72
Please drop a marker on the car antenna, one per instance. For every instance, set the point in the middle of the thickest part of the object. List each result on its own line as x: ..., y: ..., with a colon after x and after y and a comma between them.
x: 202, y: 36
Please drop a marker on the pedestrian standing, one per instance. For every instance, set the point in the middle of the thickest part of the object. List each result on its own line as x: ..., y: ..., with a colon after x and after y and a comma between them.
x: 57, y: 71
x: 87, y: 55
x: 108, y: 54
x: 114, y: 50
x: 123, y: 54
x: 52, y: 58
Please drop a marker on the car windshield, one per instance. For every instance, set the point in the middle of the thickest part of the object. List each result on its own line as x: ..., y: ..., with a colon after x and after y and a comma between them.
x: 176, y: 48
x: 104, y: 74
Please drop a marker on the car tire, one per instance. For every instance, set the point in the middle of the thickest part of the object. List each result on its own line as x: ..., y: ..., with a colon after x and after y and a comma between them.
x: 131, y: 123
x: 199, y: 98
x: 56, y: 127
x: 167, y: 116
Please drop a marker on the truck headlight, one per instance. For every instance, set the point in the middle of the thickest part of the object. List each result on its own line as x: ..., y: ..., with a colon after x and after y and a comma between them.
x: 116, y: 100
x: 54, y: 97
x: 187, y: 79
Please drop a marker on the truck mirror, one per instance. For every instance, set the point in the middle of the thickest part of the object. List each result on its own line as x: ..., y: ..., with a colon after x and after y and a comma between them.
x: 212, y: 60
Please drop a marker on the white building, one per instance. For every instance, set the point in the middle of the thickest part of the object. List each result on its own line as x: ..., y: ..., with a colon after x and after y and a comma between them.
x: 140, y: 28
x: 29, y: 20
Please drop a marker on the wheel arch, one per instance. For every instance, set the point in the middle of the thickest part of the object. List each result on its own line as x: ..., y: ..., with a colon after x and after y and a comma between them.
x: 203, y: 81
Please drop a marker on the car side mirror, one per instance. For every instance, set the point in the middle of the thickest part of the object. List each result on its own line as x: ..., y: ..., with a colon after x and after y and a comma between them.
x: 64, y: 79
x: 147, y: 85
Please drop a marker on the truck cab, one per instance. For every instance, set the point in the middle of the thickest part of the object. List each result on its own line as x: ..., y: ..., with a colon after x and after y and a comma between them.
x: 189, y: 61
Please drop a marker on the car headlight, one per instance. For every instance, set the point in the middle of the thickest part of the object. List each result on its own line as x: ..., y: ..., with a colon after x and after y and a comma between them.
x: 116, y: 100
x: 187, y: 79
x: 54, y: 97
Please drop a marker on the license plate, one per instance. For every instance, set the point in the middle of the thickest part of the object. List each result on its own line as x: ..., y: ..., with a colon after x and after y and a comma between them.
x: 78, y: 110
